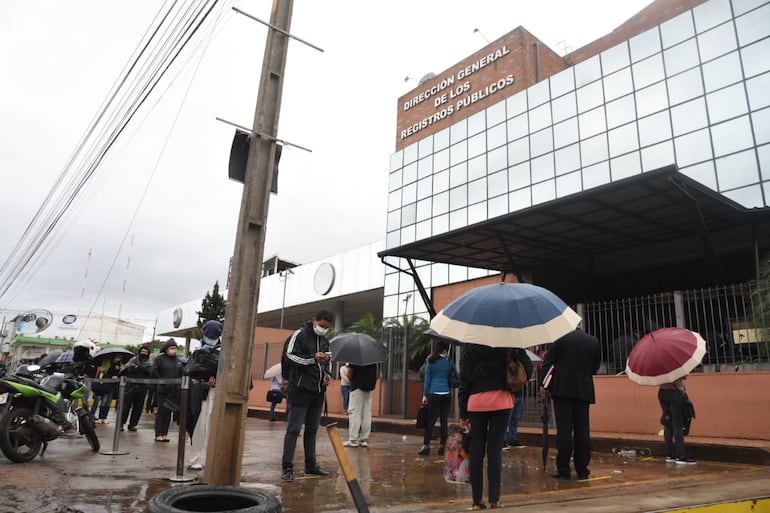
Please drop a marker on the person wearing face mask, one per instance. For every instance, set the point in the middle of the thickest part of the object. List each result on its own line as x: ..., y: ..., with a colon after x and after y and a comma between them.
x: 307, y: 353
x: 138, y: 366
x: 166, y: 365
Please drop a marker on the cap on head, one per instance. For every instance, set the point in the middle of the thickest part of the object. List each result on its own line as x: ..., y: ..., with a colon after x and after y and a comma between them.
x: 212, y: 331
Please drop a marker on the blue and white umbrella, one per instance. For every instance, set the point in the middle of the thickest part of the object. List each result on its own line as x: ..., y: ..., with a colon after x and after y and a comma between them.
x: 506, y: 315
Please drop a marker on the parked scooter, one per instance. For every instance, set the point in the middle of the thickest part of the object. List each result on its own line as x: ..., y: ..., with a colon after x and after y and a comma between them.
x: 35, y: 409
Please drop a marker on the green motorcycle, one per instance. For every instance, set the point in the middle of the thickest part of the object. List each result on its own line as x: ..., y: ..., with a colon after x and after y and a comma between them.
x: 36, y: 409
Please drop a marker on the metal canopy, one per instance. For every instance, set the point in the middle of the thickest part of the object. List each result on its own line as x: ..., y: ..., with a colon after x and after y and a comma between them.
x: 657, y: 217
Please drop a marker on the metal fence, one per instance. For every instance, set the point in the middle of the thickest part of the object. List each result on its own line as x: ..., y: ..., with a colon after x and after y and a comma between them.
x: 733, y: 319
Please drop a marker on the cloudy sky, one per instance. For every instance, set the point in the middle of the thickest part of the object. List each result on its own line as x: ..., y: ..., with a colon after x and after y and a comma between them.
x: 155, y: 224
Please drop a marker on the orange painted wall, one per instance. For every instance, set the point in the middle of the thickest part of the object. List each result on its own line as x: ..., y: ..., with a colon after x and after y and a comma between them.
x: 727, y: 405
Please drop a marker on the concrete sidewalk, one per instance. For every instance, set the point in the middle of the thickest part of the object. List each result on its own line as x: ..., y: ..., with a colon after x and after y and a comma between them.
x: 734, y: 450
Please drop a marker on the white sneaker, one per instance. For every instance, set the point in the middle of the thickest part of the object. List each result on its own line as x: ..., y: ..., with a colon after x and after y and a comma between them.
x: 350, y: 444
x: 364, y: 444
x: 195, y: 466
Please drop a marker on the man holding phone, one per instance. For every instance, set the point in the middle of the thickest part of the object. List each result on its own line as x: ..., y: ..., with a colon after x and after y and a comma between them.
x: 307, y: 353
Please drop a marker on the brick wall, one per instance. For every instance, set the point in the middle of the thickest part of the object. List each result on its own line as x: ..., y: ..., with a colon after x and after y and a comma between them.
x: 517, y: 58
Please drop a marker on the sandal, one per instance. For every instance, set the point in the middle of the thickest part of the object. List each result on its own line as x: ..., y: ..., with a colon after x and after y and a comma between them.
x: 161, y: 439
x: 494, y: 505
x: 478, y: 506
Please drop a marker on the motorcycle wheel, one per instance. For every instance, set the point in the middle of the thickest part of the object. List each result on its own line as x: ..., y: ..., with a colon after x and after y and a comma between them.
x: 87, y: 429
x: 19, y: 441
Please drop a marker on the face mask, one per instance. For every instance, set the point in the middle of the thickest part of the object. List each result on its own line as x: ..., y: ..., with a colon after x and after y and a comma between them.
x: 320, y: 331
x: 143, y: 356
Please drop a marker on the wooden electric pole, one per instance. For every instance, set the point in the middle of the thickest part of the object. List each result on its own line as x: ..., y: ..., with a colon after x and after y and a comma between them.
x: 226, y: 436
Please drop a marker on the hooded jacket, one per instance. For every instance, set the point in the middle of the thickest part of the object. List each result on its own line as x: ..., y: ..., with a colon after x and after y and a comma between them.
x: 307, y: 374
x: 166, y: 366
x: 137, y: 367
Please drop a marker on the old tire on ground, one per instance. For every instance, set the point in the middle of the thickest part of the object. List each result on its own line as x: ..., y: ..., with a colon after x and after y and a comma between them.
x: 214, y: 498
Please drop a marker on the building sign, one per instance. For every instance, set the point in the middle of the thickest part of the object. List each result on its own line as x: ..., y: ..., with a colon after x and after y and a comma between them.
x: 457, y: 90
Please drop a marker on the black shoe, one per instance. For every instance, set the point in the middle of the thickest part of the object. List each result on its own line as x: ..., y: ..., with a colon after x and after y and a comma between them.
x: 425, y: 451
x: 317, y: 471
x: 559, y: 475
x: 440, y: 450
x: 583, y: 475
x: 287, y: 474
x: 132, y: 428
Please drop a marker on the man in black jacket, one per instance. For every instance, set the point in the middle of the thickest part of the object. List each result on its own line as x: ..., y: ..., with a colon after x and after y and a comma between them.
x: 308, y: 355
x: 575, y: 358
x: 166, y: 365
x: 139, y: 366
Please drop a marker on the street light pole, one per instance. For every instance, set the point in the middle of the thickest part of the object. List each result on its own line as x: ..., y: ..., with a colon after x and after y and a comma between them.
x: 284, y: 275
x: 226, y: 436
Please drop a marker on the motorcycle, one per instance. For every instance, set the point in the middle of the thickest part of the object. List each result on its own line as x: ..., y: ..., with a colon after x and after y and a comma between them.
x: 35, y: 409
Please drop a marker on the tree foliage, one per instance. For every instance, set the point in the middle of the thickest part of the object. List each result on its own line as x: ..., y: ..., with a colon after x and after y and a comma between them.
x: 212, y: 307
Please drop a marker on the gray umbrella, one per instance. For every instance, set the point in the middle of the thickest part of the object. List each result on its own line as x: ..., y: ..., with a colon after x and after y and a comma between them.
x: 357, y: 349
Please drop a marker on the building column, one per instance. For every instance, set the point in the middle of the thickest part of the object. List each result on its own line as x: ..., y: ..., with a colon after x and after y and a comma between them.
x: 339, y: 314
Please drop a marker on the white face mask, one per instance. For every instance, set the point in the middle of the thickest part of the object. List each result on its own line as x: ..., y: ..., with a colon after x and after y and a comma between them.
x: 319, y: 330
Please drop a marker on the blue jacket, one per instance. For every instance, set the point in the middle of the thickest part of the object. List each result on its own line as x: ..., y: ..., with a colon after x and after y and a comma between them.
x: 437, y: 377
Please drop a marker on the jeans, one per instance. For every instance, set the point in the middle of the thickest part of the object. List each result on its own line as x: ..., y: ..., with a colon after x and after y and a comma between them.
x: 103, y: 402
x: 487, y: 436
x: 438, y: 408
x: 345, y: 389
x: 303, y: 408
x: 513, y: 425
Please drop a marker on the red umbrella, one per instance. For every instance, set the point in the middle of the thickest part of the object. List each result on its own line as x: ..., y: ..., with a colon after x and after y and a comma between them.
x: 664, y: 356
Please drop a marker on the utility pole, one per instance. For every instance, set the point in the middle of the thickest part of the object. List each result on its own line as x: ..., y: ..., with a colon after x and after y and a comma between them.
x: 226, y: 437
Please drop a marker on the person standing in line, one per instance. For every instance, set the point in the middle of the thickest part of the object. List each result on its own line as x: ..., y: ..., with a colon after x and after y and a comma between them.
x: 485, y: 403
x: 140, y: 367
x: 104, y: 392
x: 575, y: 358
x: 672, y: 401
x: 345, y: 385
x: 512, y: 436
x: 212, y: 342
x: 307, y: 355
x: 363, y: 379
x: 166, y: 366
x: 437, y: 396
x: 275, y: 387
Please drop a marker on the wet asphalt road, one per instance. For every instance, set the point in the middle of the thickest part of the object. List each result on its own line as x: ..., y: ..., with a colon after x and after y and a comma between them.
x: 392, y: 477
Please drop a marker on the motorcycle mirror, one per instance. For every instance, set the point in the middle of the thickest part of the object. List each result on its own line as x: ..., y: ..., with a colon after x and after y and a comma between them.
x: 33, y: 368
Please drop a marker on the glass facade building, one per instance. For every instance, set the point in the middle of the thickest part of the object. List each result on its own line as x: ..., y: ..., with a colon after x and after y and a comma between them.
x: 693, y: 91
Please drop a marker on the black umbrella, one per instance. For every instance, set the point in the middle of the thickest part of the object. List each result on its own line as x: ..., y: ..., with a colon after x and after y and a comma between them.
x: 49, y: 359
x: 357, y: 349
x: 110, y: 352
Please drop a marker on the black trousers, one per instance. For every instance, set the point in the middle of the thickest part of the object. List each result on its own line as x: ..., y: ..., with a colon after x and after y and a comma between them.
x: 133, y: 402
x: 573, y: 433
x: 438, y: 408
x: 672, y: 404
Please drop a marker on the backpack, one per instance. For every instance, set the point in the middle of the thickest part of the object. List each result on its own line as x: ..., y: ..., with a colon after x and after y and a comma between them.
x: 287, y: 367
x: 201, y: 365
x: 516, y: 375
